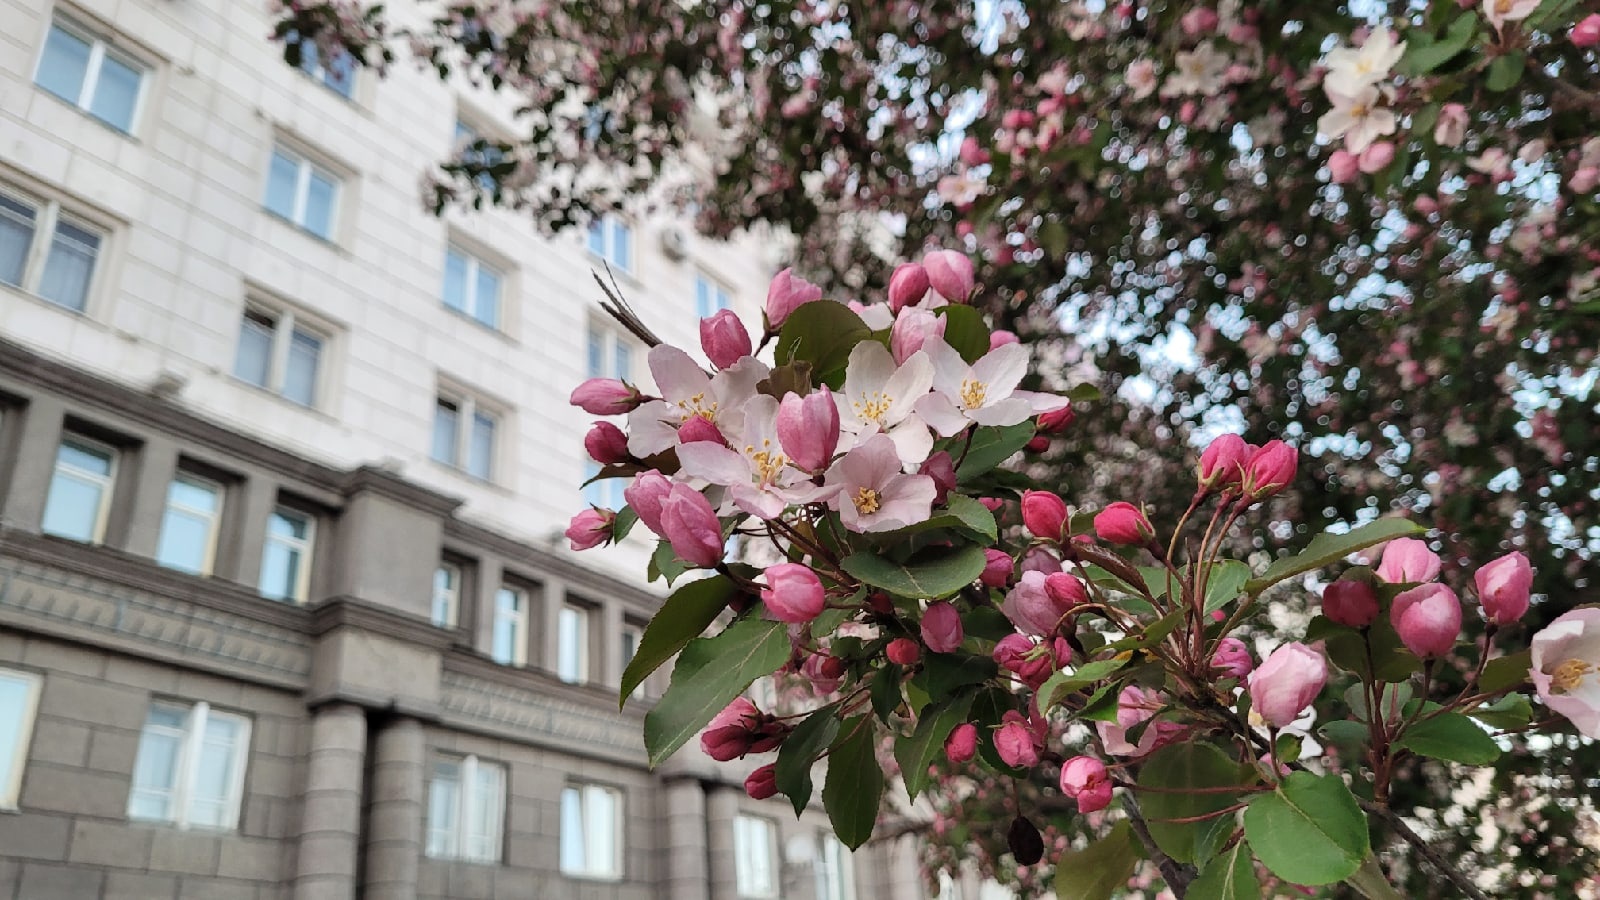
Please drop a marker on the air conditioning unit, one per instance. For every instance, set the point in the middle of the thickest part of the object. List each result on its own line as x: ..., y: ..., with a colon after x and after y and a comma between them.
x: 674, y: 243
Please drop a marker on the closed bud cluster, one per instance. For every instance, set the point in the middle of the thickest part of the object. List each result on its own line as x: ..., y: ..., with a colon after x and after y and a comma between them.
x: 605, y: 397
x: 606, y: 443
x: 724, y: 338
x: 590, y: 528
x: 1352, y: 603
x: 793, y: 593
x: 1428, y: 619
x: 1504, y: 588
x: 1123, y: 523
x: 1270, y: 469
x: 1222, y: 463
x: 1087, y: 781
x: 941, y: 628
x: 741, y: 729
x: 949, y: 274
x: 962, y: 744
x: 1286, y: 683
x: 1045, y: 515
x: 903, y: 651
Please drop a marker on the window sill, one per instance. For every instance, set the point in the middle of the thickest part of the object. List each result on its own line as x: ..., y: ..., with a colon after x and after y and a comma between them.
x: 463, y: 861
x: 126, y: 135
x: 498, y: 331
x: 8, y: 287
x: 328, y: 242
x: 606, y: 878
x: 280, y: 398
x: 466, y: 476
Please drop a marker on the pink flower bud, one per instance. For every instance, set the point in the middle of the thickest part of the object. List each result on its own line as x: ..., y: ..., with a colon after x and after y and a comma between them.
x: 787, y: 293
x: 1015, y: 745
x: 1286, y: 683
x: 914, y: 327
x: 1222, y: 462
x: 762, y: 784
x: 942, y: 469
x: 1585, y: 179
x: 1038, y: 559
x: 793, y: 593
x: 1408, y: 560
x: 590, y: 528
x: 1000, y: 337
x: 1377, y: 157
x: 1503, y: 588
x: 1033, y: 609
x: 972, y: 153
x: 824, y: 672
x: 605, y: 397
x: 941, y: 628
x: 1123, y: 523
x: 1045, y: 515
x: 907, y: 285
x: 1428, y: 619
x: 1056, y: 420
x: 808, y: 429
x: 699, y: 428
x: 997, y: 567
x: 1451, y: 128
x: 1343, y: 166
x: 992, y: 504
x: 1066, y: 591
x: 1351, y: 603
x: 606, y: 443
x: 949, y: 274
x: 731, y: 733
x: 1232, y: 658
x: 962, y: 744
x: 1086, y: 780
x: 903, y: 652
x: 1198, y: 21
x: 1022, y: 657
x: 724, y: 338
x: 1039, y: 443
x: 1270, y: 469
x: 690, y: 525
x: 1587, y: 32
x: 644, y: 497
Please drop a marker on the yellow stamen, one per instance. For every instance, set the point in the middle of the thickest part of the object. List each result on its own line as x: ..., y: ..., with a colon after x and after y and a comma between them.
x: 872, y: 407
x: 697, y: 406
x: 972, y: 393
x: 1569, y: 674
x: 1502, y: 7
x: 1358, y: 111
x: 767, y: 461
x: 866, y: 501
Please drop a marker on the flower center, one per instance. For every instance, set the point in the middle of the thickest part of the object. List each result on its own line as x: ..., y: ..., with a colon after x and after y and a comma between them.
x: 767, y: 462
x: 697, y: 406
x: 873, y: 407
x: 1502, y: 6
x: 1569, y: 674
x: 866, y: 500
x: 1358, y: 111
x: 972, y: 393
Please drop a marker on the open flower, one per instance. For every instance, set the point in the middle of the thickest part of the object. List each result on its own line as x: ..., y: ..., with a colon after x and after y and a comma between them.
x: 1350, y: 69
x: 1357, y: 118
x: 1566, y: 668
x: 879, y: 397
x: 687, y: 392
x: 872, y: 494
x: 1499, y: 12
x: 760, y: 478
x: 1201, y: 71
x: 977, y: 394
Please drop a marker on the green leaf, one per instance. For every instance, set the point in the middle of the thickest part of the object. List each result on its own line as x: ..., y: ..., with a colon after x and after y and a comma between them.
x: 1063, y: 683
x: 1347, y: 648
x: 918, y: 751
x: 710, y: 673
x: 792, y: 771
x: 944, y: 673
x: 623, y: 523
x: 1369, y: 880
x: 1153, y: 634
x: 1224, y: 582
x: 1102, y: 704
x: 683, y: 617
x: 1231, y: 876
x: 1329, y: 548
x: 1505, y: 71
x: 855, y: 784
x: 1308, y: 831
x: 821, y: 333
x: 665, y: 564
x: 1083, y: 393
x: 1506, y: 671
x: 964, y: 514
x: 1450, y: 736
x: 1510, y: 711
x: 936, y: 573
x: 991, y: 446
x: 1100, y: 869
x: 965, y: 331
x: 1345, y: 733
x: 1169, y: 775
x: 1423, y: 57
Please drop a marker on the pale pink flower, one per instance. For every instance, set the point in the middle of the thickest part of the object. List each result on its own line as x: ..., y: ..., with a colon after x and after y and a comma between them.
x: 977, y: 394
x: 1407, y: 560
x: 1566, y: 668
x: 1350, y: 69
x: 760, y: 478
x: 1499, y: 12
x: 1141, y: 78
x: 1286, y: 683
x: 870, y: 491
x: 1357, y: 118
x: 686, y: 392
x: 1202, y: 71
x: 1451, y: 128
x: 880, y: 397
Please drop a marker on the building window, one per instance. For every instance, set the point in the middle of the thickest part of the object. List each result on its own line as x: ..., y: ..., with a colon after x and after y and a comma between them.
x: 19, y: 701
x: 473, y: 150
x: 276, y: 352
x: 286, y: 558
x: 190, y: 524
x: 611, y: 239
x: 472, y: 287
x: 302, y: 192
x: 189, y: 771
x: 85, y: 71
x: 755, y: 851
x: 632, y: 635
x: 45, y: 251
x: 572, y: 644
x: 446, y: 595
x: 337, y: 75
x: 80, y: 490
x: 509, y: 641
x: 836, y: 877
x: 464, y: 435
x: 466, y: 805
x: 591, y: 831
x: 710, y: 296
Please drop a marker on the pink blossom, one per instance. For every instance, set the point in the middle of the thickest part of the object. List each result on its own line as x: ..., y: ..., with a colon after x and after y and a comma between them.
x: 1198, y: 21
x: 1270, y: 469
x: 1020, y: 656
x: 1086, y: 780
x: 1587, y: 32
x: 1066, y: 591
x: 762, y: 784
x: 907, y: 285
x: 880, y: 396
x: 1286, y: 683
x: 1351, y: 603
x: 1428, y: 619
x: 605, y: 397
x: 1222, y: 462
x: 787, y: 293
x: 1000, y: 337
x: 962, y: 744
x: 690, y: 525
x: 1015, y: 744
x: 1045, y: 515
x: 913, y: 328
x: 1123, y: 523
x: 733, y: 732
x: 941, y: 628
x: 590, y: 528
x: 984, y: 393
x: 1232, y: 658
x: 1566, y: 668
x: 949, y: 274
x: 997, y: 568
x: 724, y: 338
x: 1503, y: 588
x: 687, y: 393
x: 606, y: 444
x: 1141, y: 78
x: 824, y: 672
x: 1451, y: 128
x: 1136, y: 705
x: 872, y: 494
x: 903, y: 651
x: 793, y: 593
x: 645, y: 495
x: 1057, y: 420
x: 808, y: 428
x: 1033, y: 608
x: 1377, y: 157
x: 1408, y: 561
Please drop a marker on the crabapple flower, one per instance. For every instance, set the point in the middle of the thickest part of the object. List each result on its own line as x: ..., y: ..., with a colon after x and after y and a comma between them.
x: 962, y: 744
x: 590, y: 528
x: 698, y: 430
x: 1019, y: 655
x: 941, y: 628
x: 1141, y: 78
x: 1222, y: 462
x: 880, y: 396
x: 1566, y: 668
x: 1587, y: 32
x: 982, y: 393
x: 1451, y: 129
x: 762, y: 784
x: 1086, y: 780
x: 1343, y: 166
x: 1270, y: 469
x: 949, y: 274
x: 1350, y: 69
x: 903, y: 651
x: 605, y: 397
x: 1351, y: 603
x: 606, y: 444
x: 1033, y: 608
x: 1357, y: 118
x: 1056, y: 420
x: 1014, y: 742
x: 1286, y: 683
x: 690, y: 525
x: 913, y: 329
x: 1499, y: 12
x: 808, y: 429
x: 1428, y: 619
x: 1123, y: 523
x: 1202, y: 71
x: 644, y: 496
x: 1503, y: 588
x: 759, y: 477
x: 1407, y: 561
x: 907, y: 285
x: 997, y: 566
x: 1376, y: 158
x: 1232, y: 658
x: 741, y: 729
x: 787, y: 293
x: 871, y: 493
x: 1067, y: 591
x: 793, y: 593
x: 1136, y: 705
x: 688, y: 392
x: 1045, y: 514
x: 1001, y: 337
x: 942, y: 469
x: 724, y: 338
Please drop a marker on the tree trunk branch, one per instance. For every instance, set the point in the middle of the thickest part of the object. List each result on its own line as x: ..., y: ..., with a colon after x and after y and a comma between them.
x: 1177, y: 875
x: 1424, y: 850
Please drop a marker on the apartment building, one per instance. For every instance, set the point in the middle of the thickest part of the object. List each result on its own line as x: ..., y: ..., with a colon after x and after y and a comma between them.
x: 284, y: 610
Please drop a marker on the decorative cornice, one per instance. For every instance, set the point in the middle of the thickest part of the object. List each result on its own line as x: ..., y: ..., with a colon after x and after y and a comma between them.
x: 540, y: 561
x: 387, y: 484
x: 349, y: 612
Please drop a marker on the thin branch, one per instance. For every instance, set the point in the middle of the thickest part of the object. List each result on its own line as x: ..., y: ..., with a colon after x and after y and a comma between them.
x: 618, y: 308
x: 1424, y: 850
x: 1177, y: 875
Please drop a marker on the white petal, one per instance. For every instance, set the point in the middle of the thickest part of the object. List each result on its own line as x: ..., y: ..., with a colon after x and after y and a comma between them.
x: 677, y: 376
x: 939, y: 412
x: 649, y: 429
x: 1001, y: 369
x: 912, y: 440
x: 1009, y: 411
x: 715, y: 463
x: 907, y: 385
x: 868, y: 370
x: 949, y: 369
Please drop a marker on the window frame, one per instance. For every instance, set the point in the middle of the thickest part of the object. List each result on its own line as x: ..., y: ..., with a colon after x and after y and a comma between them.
x: 49, y: 212
x: 836, y: 874
x: 450, y: 594
x: 108, y: 485
x: 476, y: 263
x: 11, y: 789
x: 469, y: 408
x: 606, y: 228
x: 286, y: 324
x: 585, y: 790
x: 214, y: 522
x: 466, y: 804
x: 580, y: 668
x: 743, y: 848
x: 100, y: 47
x: 519, y: 620
x: 636, y: 630
x: 302, y: 587
x: 196, y: 716
x: 319, y: 72
x: 708, y: 286
x: 305, y: 165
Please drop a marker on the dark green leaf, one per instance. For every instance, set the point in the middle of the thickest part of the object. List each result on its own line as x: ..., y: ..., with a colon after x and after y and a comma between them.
x: 918, y: 751
x: 885, y: 692
x: 1101, y: 869
x: 709, y: 674
x: 683, y: 617
x: 1102, y: 704
x: 623, y: 523
x: 666, y: 564
x: 943, y: 673
x: 965, y: 331
x: 1224, y: 581
x: 1423, y: 57
x: 792, y: 772
x: 1505, y: 71
x: 1510, y: 711
x: 1063, y: 684
x: 990, y: 447
x: 1170, y: 774
x: 1506, y: 671
x: 854, y: 785
x: 1345, y: 733
x: 1329, y: 548
x: 1450, y: 736
x: 821, y: 333
x: 1231, y: 876
x: 1083, y: 393
x: 1308, y: 831
x: 937, y: 573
